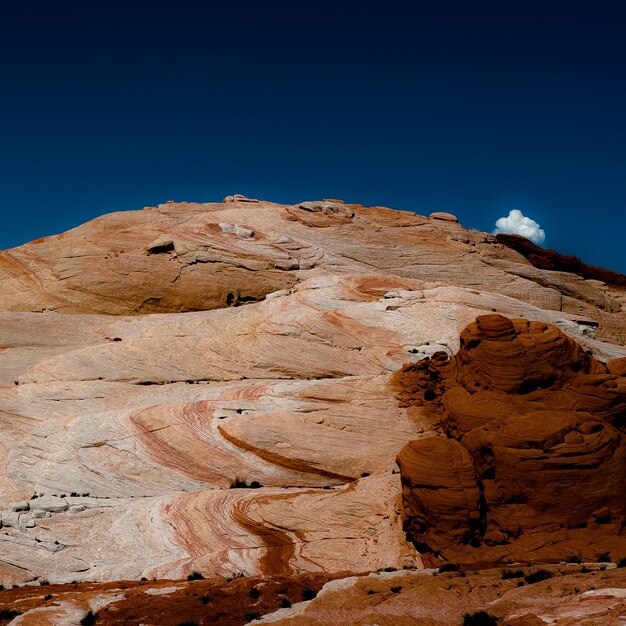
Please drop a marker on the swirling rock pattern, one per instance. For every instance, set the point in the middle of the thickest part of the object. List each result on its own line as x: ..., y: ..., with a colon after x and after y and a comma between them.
x: 532, y: 452
x: 136, y: 387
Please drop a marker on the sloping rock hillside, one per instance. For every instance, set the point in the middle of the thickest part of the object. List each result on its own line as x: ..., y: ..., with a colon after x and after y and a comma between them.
x: 213, y: 387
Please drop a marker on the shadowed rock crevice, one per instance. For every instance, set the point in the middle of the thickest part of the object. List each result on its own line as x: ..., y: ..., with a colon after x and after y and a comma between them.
x: 531, y: 454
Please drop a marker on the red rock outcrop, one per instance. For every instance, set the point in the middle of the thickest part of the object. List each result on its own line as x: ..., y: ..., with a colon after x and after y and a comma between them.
x: 591, y: 594
x: 122, y: 430
x: 531, y: 455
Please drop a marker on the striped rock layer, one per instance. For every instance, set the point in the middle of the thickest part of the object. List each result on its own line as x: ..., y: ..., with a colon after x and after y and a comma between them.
x: 155, y: 364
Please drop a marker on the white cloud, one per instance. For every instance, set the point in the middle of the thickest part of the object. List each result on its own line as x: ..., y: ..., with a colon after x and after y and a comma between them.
x: 517, y: 223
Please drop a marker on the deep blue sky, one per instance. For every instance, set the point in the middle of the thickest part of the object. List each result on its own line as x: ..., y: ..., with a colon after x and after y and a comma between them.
x: 471, y: 107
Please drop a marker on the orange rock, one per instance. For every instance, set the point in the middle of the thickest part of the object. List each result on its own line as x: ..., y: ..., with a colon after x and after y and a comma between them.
x: 531, y: 453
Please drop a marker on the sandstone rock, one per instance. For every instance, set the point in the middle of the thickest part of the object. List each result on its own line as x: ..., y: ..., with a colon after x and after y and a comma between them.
x: 534, y: 454
x: 415, y: 598
x: 286, y: 264
x: 238, y: 198
x: 11, y: 518
x: 395, y: 598
x: 26, y: 521
x: 155, y: 416
x: 242, y: 231
x: 443, y: 469
x: 444, y: 217
x: 49, y: 503
x: 177, y: 257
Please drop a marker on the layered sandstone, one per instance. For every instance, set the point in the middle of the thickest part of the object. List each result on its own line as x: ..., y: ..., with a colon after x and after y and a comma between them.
x: 199, y: 256
x: 136, y: 387
x: 567, y: 598
x: 532, y: 452
x: 573, y: 595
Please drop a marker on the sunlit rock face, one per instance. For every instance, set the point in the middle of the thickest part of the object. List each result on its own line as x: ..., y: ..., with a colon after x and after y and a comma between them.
x: 530, y: 458
x: 199, y: 256
x: 149, y: 360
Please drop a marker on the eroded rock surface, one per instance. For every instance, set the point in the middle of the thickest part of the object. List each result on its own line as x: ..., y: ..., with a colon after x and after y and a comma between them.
x: 199, y: 256
x: 572, y: 595
x: 136, y: 387
x: 532, y: 453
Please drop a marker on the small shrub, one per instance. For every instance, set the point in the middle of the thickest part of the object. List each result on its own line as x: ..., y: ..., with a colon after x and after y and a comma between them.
x: 584, y: 570
x: 621, y: 562
x: 6, y: 614
x: 251, y: 616
x: 538, y: 576
x: 205, y: 599
x: 574, y: 558
x: 365, y: 474
x: 285, y: 603
x: 397, y: 589
x: 389, y: 569
x: 189, y: 624
x: 308, y: 594
x: 89, y: 619
x: 143, y: 578
x: 1, y: 587
x: 449, y: 567
x: 255, y: 593
x: 239, y: 483
x: 47, y: 597
x: 604, y: 557
x: 195, y: 576
x: 231, y: 578
x: 480, y: 618
x: 370, y: 592
x: 507, y: 574
x: 255, y: 484
x: 43, y: 582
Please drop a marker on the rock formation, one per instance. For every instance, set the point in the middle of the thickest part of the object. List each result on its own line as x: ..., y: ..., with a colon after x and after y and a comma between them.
x: 532, y: 451
x: 219, y: 387
x: 571, y: 595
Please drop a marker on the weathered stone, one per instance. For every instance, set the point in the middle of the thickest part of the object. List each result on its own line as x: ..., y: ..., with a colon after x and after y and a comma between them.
x: 21, y: 505
x: 49, y: 503
x: 533, y: 451
x: 242, y: 231
x: 444, y: 217
x: 156, y: 415
x: 286, y: 264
